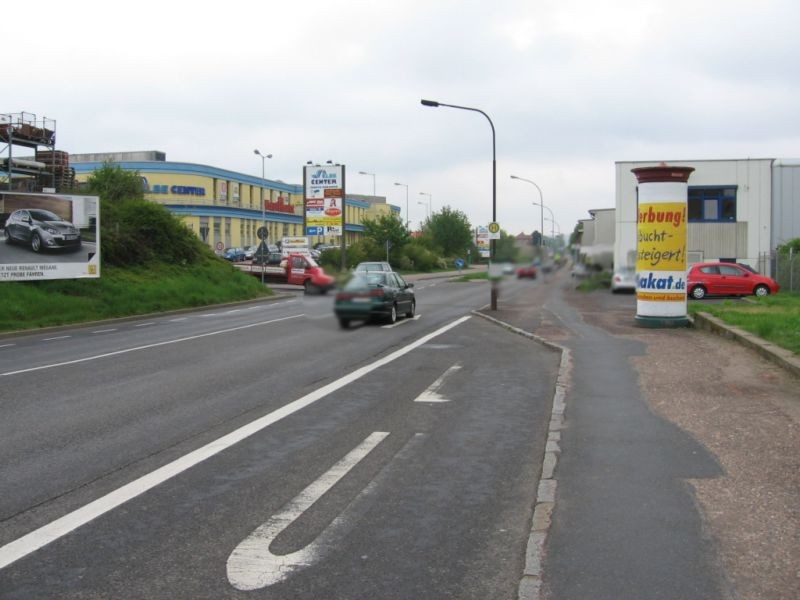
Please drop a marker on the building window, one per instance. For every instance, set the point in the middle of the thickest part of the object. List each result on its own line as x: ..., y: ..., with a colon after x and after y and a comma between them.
x: 712, y: 204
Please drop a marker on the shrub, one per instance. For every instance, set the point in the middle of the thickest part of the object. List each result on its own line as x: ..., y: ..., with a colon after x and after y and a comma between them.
x: 135, y: 232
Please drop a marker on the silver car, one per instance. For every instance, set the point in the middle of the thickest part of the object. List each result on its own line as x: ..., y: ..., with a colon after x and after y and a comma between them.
x: 623, y: 280
x: 41, y: 229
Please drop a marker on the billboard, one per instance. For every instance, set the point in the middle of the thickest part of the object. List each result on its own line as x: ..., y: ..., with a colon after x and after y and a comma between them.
x: 49, y: 236
x: 323, y: 193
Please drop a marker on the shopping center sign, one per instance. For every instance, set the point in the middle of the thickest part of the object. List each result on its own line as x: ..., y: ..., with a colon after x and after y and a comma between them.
x: 323, y: 194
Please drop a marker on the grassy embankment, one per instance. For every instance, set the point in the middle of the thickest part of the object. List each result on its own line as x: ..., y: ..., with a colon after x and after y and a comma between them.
x: 772, y: 318
x: 121, y: 292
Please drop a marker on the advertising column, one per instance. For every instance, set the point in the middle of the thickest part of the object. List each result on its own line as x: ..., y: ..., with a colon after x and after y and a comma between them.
x: 661, y: 246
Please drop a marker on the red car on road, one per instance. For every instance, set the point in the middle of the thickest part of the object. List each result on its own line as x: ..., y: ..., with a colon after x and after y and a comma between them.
x: 527, y: 271
x: 727, y: 279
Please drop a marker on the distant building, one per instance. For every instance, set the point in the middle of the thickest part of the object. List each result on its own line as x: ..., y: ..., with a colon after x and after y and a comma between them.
x: 224, y: 207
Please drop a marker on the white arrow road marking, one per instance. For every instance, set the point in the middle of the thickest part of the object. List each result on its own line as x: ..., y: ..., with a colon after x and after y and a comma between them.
x: 252, y: 566
x: 432, y: 393
x: 38, y: 538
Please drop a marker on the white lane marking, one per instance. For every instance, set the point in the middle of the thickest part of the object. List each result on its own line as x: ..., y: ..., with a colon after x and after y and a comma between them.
x: 157, y: 344
x: 145, y: 324
x: 60, y: 337
x: 235, y: 310
x: 252, y: 566
x: 401, y: 322
x: 209, y: 315
x: 7, y: 345
x: 432, y: 393
x: 38, y: 538
x: 178, y: 320
x: 103, y: 331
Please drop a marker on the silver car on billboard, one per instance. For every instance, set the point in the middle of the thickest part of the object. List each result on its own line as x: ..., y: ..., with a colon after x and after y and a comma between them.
x: 41, y: 229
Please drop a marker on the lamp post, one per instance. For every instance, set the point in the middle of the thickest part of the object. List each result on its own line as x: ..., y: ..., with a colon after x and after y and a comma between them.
x: 541, y: 200
x: 373, y: 180
x: 408, y: 217
x: 430, y: 199
x: 264, y: 158
x: 427, y: 208
x: 435, y: 104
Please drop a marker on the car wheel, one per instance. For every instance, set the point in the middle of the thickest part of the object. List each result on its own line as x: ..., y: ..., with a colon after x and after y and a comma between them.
x: 411, y: 309
x: 36, y: 242
x: 344, y: 323
x: 393, y: 314
x: 698, y: 292
x: 762, y: 290
x: 307, y: 286
x: 9, y: 241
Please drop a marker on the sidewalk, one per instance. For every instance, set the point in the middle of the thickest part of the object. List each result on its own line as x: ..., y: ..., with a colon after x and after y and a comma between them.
x: 678, y: 473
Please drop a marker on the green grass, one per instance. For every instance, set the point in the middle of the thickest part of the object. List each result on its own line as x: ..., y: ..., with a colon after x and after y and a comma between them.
x: 472, y: 277
x: 123, y: 292
x: 595, y: 281
x: 772, y: 318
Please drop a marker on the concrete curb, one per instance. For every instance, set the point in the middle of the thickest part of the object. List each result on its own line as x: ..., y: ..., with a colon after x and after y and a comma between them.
x: 780, y: 356
x: 530, y: 585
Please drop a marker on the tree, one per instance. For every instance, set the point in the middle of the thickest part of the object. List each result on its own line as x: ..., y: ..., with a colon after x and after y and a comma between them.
x: 449, y: 230
x: 505, y: 249
x: 386, y: 228
x: 111, y: 182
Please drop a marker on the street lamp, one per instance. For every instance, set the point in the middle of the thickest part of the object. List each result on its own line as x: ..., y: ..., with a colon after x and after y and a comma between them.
x: 541, y: 199
x: 373, y: 180
x: 408, y: 217
x: 427, y: 208
x: 264, y: 158
x: 430, y: 198
x: 435, y: 104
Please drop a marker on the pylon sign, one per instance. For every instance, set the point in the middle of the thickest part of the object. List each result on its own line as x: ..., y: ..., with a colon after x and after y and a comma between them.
x: 324, y: 199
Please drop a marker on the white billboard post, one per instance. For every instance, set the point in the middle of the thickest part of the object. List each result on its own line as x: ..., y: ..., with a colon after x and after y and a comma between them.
x: 324, y: 203
x: 49, y: 236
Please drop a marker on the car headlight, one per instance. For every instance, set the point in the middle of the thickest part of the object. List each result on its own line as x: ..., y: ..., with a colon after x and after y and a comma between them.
x: 51, y: 230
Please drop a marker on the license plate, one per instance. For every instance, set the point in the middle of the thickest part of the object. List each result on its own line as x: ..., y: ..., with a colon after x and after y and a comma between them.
x: 70, y: 236
x: 361, y: 300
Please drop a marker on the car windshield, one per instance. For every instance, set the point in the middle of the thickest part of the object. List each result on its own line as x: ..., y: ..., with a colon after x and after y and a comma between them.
x: 44, y: 215
x: 376, y: 266
x: 365, y: 281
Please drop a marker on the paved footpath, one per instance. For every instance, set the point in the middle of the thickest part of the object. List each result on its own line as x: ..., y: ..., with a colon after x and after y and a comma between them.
x: 678, y: 474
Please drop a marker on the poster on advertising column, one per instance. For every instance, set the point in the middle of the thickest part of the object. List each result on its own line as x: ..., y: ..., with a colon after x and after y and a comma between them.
x: 324, y: 196
x: 48, y: 236
x: 661, y: 245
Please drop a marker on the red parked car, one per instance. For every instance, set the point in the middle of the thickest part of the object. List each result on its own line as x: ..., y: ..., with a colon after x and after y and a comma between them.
x: 527, y: 271
x: 727, y: 279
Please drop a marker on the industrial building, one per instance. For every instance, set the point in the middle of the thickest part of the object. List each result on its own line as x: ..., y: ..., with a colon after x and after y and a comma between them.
x: 738, y: 210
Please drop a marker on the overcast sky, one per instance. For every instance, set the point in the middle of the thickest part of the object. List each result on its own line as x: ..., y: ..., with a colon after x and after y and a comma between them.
x: 571, y: 86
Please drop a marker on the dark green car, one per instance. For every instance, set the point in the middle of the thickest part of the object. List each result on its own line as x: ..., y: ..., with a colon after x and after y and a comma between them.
x: 374, y: 296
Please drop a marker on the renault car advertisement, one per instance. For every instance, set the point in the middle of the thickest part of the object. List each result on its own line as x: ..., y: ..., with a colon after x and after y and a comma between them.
x: 48, y: 236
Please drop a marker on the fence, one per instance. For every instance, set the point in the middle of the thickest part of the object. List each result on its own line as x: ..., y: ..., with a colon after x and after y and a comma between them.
x: 784, y: 266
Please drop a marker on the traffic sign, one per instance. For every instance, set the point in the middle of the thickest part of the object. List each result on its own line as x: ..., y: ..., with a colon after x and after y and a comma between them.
x: 262, y: 233
x: 494, y: 231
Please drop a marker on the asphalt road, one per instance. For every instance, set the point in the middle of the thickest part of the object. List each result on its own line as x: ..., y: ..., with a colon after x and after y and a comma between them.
x: 258, y: 451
